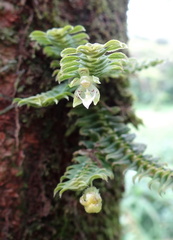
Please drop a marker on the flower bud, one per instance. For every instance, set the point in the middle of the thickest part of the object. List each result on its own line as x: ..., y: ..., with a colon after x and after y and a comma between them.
x: 91, y: 200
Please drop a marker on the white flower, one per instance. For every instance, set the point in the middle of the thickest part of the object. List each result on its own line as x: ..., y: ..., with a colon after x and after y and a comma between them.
x: 86, y: 96
x: 87, y: 92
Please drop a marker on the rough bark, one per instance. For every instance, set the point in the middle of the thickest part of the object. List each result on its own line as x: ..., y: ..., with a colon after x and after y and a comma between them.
x: 34, y: 149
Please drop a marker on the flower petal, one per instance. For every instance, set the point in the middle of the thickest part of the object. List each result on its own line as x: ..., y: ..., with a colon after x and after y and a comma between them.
x: 97, y: 97
x: 76, y: 100
x: 96, y: 80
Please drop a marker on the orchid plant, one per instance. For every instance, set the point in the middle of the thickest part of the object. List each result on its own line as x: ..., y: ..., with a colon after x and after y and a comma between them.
x: 82, y: 66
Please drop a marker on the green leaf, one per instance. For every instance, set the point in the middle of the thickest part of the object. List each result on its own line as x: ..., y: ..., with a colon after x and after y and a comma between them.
x: 69, y: 59
x: 66, y: 76
x: 68, y: 51
x: 78, y: 28
x: 57, y: 39
x: 117, y: 55
x: 114, y: 45
x: 52, y: 51
x: 47, y: 98
x: 81, y: 175
x: 80, y: 36
x: 114, y: 145
x: 54, y: 64
x: 93, y: 57
x: 40, y: 37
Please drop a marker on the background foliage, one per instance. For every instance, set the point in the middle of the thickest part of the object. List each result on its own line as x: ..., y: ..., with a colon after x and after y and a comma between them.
x: 152, y: 88
x: 155, y: 85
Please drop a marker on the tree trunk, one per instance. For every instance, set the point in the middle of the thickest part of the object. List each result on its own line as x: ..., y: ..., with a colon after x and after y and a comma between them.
x: 34, y: 149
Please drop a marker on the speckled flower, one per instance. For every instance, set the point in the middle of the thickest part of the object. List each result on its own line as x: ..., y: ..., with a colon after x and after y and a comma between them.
x: 87, y: 92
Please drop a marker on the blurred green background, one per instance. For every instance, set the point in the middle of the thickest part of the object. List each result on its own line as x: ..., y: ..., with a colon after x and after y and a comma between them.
x: 145, y: 215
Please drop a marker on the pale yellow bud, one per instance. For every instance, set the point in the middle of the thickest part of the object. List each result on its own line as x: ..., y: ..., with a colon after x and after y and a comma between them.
x: 91, y: 200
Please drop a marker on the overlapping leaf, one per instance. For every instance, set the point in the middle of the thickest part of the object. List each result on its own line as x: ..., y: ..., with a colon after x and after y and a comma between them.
x: 133, y: 65
x: 100, y: 60
x: 57, y: 39
x: 114, y: 144
x: 46, y: 98
x: 81, y: 175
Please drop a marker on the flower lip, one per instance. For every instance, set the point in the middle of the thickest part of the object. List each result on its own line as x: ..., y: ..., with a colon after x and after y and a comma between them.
x: 87, y: 99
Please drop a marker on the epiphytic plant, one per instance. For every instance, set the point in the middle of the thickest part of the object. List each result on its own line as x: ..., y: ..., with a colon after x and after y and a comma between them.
x: 105, y: 137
